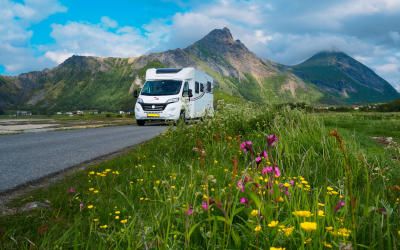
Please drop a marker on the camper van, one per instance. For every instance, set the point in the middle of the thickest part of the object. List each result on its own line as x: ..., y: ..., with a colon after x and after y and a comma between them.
x: 173, y: 94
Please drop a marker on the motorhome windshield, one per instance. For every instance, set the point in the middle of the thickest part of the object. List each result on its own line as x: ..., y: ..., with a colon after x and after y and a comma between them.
x: 161, y: 87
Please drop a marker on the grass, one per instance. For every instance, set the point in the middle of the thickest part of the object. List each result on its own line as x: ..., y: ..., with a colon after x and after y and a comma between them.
x: 183, y: 190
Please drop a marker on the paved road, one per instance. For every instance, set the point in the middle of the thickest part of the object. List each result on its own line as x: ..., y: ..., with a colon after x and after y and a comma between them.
x: 27, y: 157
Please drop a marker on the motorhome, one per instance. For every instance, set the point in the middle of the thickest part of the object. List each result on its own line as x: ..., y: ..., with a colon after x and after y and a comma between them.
x: 173, y: 94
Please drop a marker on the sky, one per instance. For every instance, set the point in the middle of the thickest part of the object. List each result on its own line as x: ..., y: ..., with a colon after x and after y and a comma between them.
x: 38, y: 34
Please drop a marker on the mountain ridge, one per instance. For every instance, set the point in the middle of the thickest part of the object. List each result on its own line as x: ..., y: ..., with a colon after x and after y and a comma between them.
x: 106, y: 82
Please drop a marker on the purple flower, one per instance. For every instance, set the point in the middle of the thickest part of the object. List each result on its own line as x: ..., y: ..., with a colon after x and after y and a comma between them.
x: 272, y: 140
x: 264, y: 154
x: 291, y: 182
x: 244, y: 200
x: 277, y: 171
x: 71, y: 190
x: 266, y: 170
x: 246, y: 146
x: 81, y: 206
x: 204, y: 205
x: 189, y: 211
x: 258, y: 160
x: 240, y: 185
x: 339, y: 205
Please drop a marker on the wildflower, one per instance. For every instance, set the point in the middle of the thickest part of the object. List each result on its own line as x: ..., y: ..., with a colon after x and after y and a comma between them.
x: 124, y: 221
x: 254, y: 212
x: 344, y: 232
x: 277, y: 248
x: 258, y: 159
x: 273, y: 223
x: 81, y: 206
x: 95, y: 220
x: 302, y: 213
x: 90, y: 206
x: 91, y: 189
x: 277, y: 172
x: 257, y: 228
x: 157, y: 182
x: 286, y: 185
x: 339, y: 205
x: 267, y: 170
x: 103, y: 226
x: 246, y: 146
x: 204, y: 205
x: 141, y: 198
x: 321, y: 213
x: 71, y: 190
x: 308, y: 226
x: 117, y: 212
x: 327, y: 245
x: 95, y: 191
x: 240, y: 185
x: 91, y: 173
x: 117, y: 217
x: 288, y: 231
x: 307, y: 241
x: 264, y: 154
x: 329, y: 229
x: 321, y: 204
x: 272, y: 140
x: 189, y: 211
x: 173, y: 187
x: 244, y: 200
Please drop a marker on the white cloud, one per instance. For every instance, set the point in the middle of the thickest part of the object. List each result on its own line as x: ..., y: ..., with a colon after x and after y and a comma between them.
x: 108, y: 22
x: 15, y: 22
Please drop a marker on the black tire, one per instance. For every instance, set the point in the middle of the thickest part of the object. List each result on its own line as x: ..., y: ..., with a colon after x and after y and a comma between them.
x: 182, y: 118
x: 140, y: 122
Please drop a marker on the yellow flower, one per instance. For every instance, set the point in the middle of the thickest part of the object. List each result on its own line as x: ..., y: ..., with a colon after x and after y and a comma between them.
x: 321, y: 204
x: 117, y: 217
x: 215, y: 162
x: 117, y: 212
x: 327, y: 245
x: 288, y: 231
x: 254, y: 212
x: 321, y: 213
x: 302, y: 213
x: 141, y: 198
x: 91, y: 172
x: 329, y: 229
x: 90, y: 206
x: 103, y: 226
x: 307, y: 241
x: 96, y: 220
x: 173, y: 187
x: 308, y: 226
x: 329, y: 188
x: 108, y: 170
x: 158, y: 182
x: 273, y: 223
x: 344, y: 232
x: 95, y: 191
x: 225, y: 170
x: 280, y: 199
x: 91, y: 189
x: 277, y: 248
x: 286, y: 184
x: 124, y: 221
x: 257, y: 228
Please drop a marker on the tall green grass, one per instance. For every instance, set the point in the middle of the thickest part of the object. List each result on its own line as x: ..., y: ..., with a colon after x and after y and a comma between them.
x: 158, y: 189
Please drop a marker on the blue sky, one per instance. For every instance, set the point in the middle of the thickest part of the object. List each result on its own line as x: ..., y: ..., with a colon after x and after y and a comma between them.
x: 36, y: 34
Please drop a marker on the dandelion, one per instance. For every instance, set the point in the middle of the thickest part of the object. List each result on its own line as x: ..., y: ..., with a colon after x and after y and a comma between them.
x: 280, y: 199
x: 321, y: 204
x: 308, y: 226
x: 272, y: 140
x: 321, y: 213
x: 257, y: 228
x: 103, y: 226
x: 273, y: 223
x: 329, y: 229
x: 287, y: 231
x: 157, y: 182
x: 117, y: 217
x: 91, y: 173
x: 90, y: 206
x: 327, y: 245
x: 91, y: 189
x: 117, y: 212
x: 277, y: 248
x: 95, y: 191
x: 254, y: 212
x: 286, y: 185
x: 302, y: 213
x: 124, y: 221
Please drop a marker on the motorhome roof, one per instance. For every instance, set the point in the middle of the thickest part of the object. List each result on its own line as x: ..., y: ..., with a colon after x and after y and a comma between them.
x: 167, y: 71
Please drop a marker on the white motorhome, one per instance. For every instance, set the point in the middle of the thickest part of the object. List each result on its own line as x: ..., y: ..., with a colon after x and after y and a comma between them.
x: 173, y: 94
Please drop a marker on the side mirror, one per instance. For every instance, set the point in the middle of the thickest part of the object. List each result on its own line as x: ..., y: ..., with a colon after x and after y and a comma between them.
x: 136, y: 93
x: 190, y: 93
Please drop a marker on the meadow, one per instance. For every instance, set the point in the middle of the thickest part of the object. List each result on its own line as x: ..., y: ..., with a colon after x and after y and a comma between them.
x: 253, y: 177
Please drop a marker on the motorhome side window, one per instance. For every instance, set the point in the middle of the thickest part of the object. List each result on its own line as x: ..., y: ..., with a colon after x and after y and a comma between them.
x: 209, y: 87
x: 185, y: 89
x: 196, y: 87
x: 201, y: 87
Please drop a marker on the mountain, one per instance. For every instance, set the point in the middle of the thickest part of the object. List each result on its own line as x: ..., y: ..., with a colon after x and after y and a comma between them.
x: 344, y: 80
x: 83, y: 82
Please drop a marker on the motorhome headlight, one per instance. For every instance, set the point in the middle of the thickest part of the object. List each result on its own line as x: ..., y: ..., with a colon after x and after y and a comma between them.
x: 140, y: 100
x: 173, y: 100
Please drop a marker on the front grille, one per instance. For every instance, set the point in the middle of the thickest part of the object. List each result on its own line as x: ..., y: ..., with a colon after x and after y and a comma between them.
x: 153, y: 106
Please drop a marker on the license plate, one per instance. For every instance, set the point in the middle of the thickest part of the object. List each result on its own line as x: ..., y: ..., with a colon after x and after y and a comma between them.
x: 153, y: 115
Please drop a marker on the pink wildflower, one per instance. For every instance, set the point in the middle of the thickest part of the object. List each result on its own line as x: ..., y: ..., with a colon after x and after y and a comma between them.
x: 71, y: 190
x: 272, y: 140
x: 244, y: 200
x: 339, y: 205
x: 189, y: 211
x: 277, y: 171
x: 204, y: 205
x: 240, y: 185
x: 246, y: 146
x: 267, y: 170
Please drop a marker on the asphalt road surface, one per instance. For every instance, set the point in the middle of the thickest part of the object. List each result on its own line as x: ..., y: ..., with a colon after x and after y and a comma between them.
x: 30, y: 156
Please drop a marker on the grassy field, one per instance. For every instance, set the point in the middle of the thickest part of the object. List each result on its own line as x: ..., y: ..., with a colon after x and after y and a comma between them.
x: 323, y: 184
